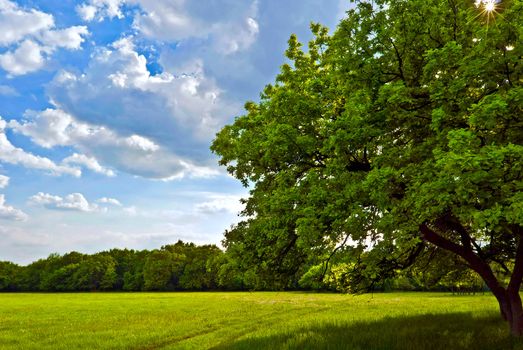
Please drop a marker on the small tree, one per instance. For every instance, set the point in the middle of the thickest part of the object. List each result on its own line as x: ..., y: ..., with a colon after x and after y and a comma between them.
x: 402, y: 129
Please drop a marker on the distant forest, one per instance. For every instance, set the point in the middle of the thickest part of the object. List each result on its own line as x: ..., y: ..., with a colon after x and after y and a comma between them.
x: 186, y: 266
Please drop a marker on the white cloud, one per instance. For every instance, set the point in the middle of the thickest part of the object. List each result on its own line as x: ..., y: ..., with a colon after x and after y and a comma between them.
x: 102, y: 149
x: 118, y: 83
x: 171, y: 15
x: 86, y: 12
x: 141, y: 143
x: 111, y: 201
x: 100, y: 9
x: 7, y: 90
x: 69, y: 38
x: 26, y: 58
x: 8, y: 212
x: 237, y: 36
x: 49, y: 128
x: 31, y: 38
x: 221, y: 203
x: 16, y: 23
x: 14, y: 155
x: 88, y: 162
x: 233, y: 30
x: 73, y: 201
x: 170, y: 116
x: 4, y: 181
x: 176, y: 20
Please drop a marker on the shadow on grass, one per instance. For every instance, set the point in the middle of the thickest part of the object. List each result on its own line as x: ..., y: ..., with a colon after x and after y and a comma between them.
x: 447, y: 331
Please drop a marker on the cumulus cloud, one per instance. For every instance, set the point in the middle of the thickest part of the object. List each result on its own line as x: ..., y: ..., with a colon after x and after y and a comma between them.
x: 111, y: 201
x: 73, y: 201
x: 26, y: 58
x: 69, y: 38
x: 174, y: 113
x: 49, y: 128
x: 14, y: 155
x: 31, y: 38
x: 220, y: 203
x: 86, y: 12
x: 4, y: 181
x: 8, y: 212
x: 235, y: 29
x: 100, y: 9
x: 102, y: 149
x: 16, y: 23
x: 176, y: 20
x: 118, y: 83
x: 88, y: 162
x: 237, y: 36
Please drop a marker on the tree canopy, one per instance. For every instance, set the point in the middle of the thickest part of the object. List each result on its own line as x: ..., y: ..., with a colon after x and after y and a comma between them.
x: 402, y: 129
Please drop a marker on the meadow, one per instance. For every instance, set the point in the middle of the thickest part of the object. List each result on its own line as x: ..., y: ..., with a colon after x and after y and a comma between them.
x: 257, y: 320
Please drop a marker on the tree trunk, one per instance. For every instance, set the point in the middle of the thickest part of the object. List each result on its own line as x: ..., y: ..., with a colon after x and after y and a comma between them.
x: 504, y: 307
x: 509, y: 300
x: 514, y: 299
x: 516, y: 308
x: 512, y: 311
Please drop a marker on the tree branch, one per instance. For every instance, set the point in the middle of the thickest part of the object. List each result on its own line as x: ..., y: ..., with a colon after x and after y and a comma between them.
x: 475, y: 262
x: 400, y: 60
x: 332, y: 254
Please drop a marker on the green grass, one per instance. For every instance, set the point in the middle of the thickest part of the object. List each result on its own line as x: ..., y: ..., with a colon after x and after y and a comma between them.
x: 261, y: 320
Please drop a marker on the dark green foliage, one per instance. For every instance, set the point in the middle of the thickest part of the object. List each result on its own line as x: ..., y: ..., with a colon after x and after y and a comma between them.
x: 186, y: 266
x: 181, y: 266
x: 62, y: 279
x: 159, y: 272
x: 9, y: 274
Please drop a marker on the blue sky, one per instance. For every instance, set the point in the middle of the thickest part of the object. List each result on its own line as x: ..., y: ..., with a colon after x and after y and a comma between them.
x: 108, y: 108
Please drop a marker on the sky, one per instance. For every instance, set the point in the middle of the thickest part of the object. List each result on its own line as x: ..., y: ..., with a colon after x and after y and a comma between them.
x: 108, y: 109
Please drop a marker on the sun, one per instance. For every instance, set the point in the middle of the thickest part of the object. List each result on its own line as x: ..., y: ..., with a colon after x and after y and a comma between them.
x: 489, y: 5
x: 488, y: 8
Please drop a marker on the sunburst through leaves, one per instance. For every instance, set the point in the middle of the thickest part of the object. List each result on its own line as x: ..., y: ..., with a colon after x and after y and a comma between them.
x: 488, y: 8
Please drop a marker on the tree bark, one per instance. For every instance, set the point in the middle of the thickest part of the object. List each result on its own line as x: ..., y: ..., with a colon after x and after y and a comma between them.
x: 514, y: 299
x: 516, y: 321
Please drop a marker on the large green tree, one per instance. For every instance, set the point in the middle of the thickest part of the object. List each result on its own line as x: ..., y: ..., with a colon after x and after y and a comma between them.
x: 404, y: 128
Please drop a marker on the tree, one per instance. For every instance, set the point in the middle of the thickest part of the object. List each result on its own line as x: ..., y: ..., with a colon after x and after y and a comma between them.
x: 96, y: 272
x: 133, y: 278
x: 61, y: 279
x: 160, y: 270
x: 199, y: 273
x: 229, y: 274
x: 401, y: 130
x: 8, y: 276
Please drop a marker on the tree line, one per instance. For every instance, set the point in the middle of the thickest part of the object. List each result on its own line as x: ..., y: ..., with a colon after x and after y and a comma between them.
x: 186, y: 266
x: 180, y: 266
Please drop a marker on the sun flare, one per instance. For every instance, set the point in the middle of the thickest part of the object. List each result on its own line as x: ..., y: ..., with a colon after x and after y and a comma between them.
x: 488, y: 8
x: 489, y: 5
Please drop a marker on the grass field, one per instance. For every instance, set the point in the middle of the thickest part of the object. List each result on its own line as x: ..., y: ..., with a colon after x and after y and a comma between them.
x: 261, y: 320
